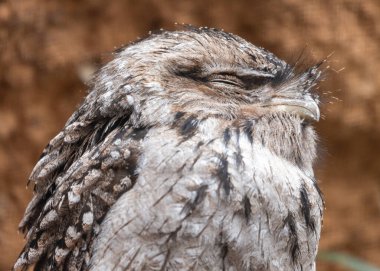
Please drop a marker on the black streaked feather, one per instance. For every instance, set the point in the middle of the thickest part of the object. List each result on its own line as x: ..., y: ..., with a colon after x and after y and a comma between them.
x: 248, y: 130
x: 305, y: 208
x: 294, y: 247
x: 189, y: 126
x: 247, y: 208
x: 226, y: 136
x: 222, y: 173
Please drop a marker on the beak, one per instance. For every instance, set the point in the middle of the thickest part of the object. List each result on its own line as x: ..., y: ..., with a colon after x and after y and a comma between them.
x: 306, y: 107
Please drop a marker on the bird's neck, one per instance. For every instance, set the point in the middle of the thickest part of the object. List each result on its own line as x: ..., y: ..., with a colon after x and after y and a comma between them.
x: 288, y: 137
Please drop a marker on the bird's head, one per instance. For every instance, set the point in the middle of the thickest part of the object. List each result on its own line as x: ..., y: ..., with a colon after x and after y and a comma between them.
x: 207, y: 72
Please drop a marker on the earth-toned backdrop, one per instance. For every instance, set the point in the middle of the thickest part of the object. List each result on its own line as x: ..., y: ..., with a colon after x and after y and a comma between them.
x: 48, y: 49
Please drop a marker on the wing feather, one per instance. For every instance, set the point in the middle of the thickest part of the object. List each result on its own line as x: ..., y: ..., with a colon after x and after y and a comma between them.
x: 80, y: 174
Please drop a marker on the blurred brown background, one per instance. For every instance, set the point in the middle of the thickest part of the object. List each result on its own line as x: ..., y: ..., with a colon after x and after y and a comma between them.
x: 48, y: 48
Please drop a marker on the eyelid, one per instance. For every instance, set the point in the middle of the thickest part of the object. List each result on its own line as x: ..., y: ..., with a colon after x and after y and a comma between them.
x: 242, y: 72
x: 229, y: 79
x: 229, y: 82
x: 254, y: 73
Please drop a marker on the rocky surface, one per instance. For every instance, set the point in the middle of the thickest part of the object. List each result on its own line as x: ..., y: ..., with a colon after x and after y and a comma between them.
x: 48, y: 49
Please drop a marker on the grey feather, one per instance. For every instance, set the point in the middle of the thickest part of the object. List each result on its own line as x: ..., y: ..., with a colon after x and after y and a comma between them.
x: 193, y: 150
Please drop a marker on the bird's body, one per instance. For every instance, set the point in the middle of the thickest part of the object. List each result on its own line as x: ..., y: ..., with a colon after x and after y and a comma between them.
x: 194, y: 150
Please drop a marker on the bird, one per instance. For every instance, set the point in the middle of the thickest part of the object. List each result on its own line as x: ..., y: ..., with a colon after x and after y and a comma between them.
x: 193, y: 150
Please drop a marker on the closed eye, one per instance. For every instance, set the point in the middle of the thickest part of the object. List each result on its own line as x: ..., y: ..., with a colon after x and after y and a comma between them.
x: 241, y: 78
x: 223, y: 81
x: 226, y: 79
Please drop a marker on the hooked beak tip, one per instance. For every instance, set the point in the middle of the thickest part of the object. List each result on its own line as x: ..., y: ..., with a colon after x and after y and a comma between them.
x: 306, y: 108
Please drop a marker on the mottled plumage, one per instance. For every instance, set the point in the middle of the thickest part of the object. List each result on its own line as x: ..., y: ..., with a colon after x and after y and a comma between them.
x: 193, y: 150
